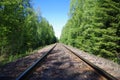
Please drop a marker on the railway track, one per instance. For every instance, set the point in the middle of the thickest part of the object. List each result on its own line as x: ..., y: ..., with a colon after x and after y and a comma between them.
x: 61, y: 63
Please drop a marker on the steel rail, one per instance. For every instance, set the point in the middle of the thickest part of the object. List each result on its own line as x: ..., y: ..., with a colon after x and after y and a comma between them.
x: 98, y: 69
x: 28, y: 71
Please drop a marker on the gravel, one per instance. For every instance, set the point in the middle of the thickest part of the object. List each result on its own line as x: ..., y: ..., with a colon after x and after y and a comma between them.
x: 107, y: 65
x: 61, y: 64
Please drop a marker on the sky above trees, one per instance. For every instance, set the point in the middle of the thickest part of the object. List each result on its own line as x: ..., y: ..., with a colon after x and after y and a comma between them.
x: 55, y: 11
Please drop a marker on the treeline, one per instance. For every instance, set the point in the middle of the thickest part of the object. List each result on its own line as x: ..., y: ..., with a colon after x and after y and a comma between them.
x: 21, y: 28
x: 94, y: 26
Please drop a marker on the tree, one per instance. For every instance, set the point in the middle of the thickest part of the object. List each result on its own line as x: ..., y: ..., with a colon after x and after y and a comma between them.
x: 21, y: 28
x: 94, y: 27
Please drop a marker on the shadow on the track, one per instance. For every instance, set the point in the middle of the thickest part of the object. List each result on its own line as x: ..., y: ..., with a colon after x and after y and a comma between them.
x: 59, y: 67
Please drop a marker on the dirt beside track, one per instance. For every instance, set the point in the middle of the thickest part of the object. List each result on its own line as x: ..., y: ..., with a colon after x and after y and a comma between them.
x: 11, y: 70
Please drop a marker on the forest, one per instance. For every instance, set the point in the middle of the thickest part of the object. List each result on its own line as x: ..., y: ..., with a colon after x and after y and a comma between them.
x: 94, y: 27
x: 22, y: 29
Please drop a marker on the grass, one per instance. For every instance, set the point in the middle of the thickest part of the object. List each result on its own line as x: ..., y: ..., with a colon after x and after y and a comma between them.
x: 6, y: 59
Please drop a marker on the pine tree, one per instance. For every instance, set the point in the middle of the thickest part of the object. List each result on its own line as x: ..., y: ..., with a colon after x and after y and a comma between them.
x: 94, y: 27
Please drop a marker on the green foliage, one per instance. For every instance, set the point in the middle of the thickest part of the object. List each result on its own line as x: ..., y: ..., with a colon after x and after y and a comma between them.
x: 21, y: 29
x: 94, y: 26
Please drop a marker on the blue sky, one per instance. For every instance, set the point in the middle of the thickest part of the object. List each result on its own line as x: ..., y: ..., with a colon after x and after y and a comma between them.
x: 55, y: 11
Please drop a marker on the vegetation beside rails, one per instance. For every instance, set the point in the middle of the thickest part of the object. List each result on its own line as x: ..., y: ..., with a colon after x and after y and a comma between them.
x: 94, y: 26
x: 7, y: 59
x: 22, y: 29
